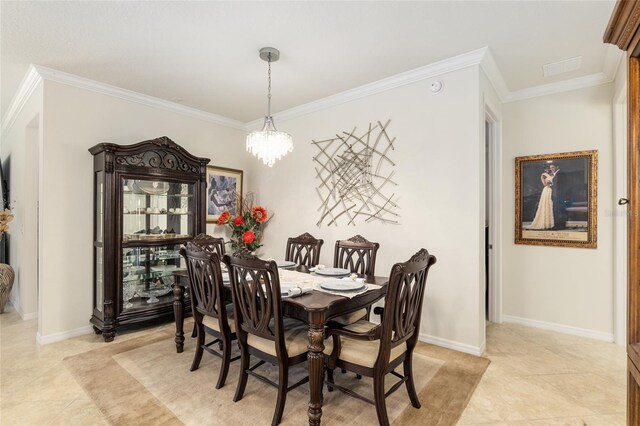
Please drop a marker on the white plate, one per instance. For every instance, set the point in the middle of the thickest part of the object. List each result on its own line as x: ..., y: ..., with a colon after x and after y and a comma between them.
x: 286, y: 264
x: 333, y: 272
x: 342, y: 285
x: 149, y: 187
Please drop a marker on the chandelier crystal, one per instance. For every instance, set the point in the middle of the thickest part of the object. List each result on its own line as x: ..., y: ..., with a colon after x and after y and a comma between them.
x: 269, y: 144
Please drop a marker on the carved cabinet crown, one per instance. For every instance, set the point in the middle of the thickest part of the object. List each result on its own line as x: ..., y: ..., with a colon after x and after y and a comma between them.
x: 159, y: 153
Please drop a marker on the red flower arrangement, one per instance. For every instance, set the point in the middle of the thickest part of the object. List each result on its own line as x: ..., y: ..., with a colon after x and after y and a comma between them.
x: 248, y: 237
x: 246, y: 227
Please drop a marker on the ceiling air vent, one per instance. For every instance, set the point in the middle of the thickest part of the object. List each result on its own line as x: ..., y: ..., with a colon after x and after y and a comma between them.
x: 567, y: 65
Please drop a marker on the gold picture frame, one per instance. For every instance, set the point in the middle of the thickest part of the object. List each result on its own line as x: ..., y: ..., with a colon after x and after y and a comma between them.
x: 556, y: 199
x: 224, y: 192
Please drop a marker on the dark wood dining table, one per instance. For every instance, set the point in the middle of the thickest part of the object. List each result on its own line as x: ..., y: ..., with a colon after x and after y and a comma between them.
x: 315, y: 308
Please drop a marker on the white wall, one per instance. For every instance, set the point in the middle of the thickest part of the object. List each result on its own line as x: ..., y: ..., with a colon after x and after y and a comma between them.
x: 438, y: 155
x: 19, y: 144
x: 75, y: 120
x: 569, y: 289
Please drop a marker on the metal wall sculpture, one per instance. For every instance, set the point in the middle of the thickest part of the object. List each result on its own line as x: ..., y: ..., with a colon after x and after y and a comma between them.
x: 356, y: 177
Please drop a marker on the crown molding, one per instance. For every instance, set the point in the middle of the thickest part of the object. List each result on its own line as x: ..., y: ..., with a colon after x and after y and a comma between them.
x: 130, y: 95
x: 28, y: 85
x: 482, y: 57
x: 491, y: 70
x: 428, y: 71
x: 612, y: 59
x: 559, y: 87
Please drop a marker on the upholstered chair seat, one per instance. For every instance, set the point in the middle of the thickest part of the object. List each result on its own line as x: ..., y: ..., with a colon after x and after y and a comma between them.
x: 364, y: 352
x: 296, y: 340
x: 214, y: 324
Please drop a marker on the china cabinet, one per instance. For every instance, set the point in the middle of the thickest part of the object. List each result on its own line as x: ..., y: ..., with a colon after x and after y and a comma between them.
x: 149, y: 198
x: 624, y: 31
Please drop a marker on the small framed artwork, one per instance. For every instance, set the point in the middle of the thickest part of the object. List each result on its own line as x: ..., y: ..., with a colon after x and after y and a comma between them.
x: 556, y: 199
x: 224, y: 190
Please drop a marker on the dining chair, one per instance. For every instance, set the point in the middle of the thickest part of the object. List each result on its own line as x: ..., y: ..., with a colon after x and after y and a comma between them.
x: 358, y: 255
x: 375, y: 350
x: 304, y: 250
x: 262, y: 331
x: 212, y: 316
x: 211, y: 244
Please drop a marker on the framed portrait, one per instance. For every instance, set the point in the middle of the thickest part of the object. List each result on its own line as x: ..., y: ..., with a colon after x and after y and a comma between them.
x: 224, y: 190
x: 556, y: 199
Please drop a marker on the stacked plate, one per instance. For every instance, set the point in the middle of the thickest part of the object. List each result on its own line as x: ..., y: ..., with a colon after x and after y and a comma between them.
x: 286, y: 264
x: 332, y: 272
x: 343, y: 285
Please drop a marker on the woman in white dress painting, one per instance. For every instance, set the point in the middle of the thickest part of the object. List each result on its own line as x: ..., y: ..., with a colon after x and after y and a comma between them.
x: 544, y: 214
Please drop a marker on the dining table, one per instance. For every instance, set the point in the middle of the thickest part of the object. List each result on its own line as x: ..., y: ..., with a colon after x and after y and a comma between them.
x: 315, y: 308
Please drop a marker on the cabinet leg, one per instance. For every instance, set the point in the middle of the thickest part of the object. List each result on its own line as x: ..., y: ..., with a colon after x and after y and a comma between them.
x: 108, y: 335
x: 97, y: 330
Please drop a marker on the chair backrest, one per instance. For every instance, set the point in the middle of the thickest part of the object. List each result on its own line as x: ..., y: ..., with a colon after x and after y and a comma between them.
x: 356, y: 254
x: 257, y: 302
x: 403, y: 302
x: 212, y: 244
x: 304, y: 250
x: 206, y: 284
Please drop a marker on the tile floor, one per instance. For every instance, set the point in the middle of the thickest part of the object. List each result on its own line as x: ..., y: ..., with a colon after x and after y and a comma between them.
x: 536, y: 377
x: 539, y: 377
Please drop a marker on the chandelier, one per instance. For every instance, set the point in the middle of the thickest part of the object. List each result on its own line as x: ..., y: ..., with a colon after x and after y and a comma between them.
x: 269, y: 144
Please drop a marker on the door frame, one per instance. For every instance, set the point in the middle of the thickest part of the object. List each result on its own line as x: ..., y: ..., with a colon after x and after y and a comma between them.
x: 495, y: 221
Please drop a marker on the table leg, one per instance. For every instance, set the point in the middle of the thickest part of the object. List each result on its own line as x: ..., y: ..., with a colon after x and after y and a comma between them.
x: 316, y: 371
x: 178, y: 312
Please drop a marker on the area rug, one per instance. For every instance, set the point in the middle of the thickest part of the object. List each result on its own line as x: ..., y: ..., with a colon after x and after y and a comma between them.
x: 144, y: 381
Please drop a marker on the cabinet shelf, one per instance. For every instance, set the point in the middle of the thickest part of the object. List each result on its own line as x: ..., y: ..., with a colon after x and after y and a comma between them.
x: 150, y: 275
x: 155, y: 214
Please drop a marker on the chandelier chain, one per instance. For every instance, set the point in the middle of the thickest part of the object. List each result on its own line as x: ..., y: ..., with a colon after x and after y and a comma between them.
x: 269, y: 89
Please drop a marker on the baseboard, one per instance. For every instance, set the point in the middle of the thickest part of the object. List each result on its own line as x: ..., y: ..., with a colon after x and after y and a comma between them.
x: 29, y: 316
x: 25, y: 317
x: 560, y: 328
x: 56, y: 337
x: 450, y: 344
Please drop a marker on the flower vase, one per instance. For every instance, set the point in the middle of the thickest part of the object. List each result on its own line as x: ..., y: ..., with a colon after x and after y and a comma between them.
x: 7, y: 276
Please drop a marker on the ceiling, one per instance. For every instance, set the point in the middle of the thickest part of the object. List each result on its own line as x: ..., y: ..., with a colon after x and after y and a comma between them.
x: 206, y: 53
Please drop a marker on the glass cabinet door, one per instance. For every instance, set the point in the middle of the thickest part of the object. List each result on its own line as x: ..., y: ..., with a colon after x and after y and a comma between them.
x: 147, y: 275
x: 156, y: 210
x: 98, y: 243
